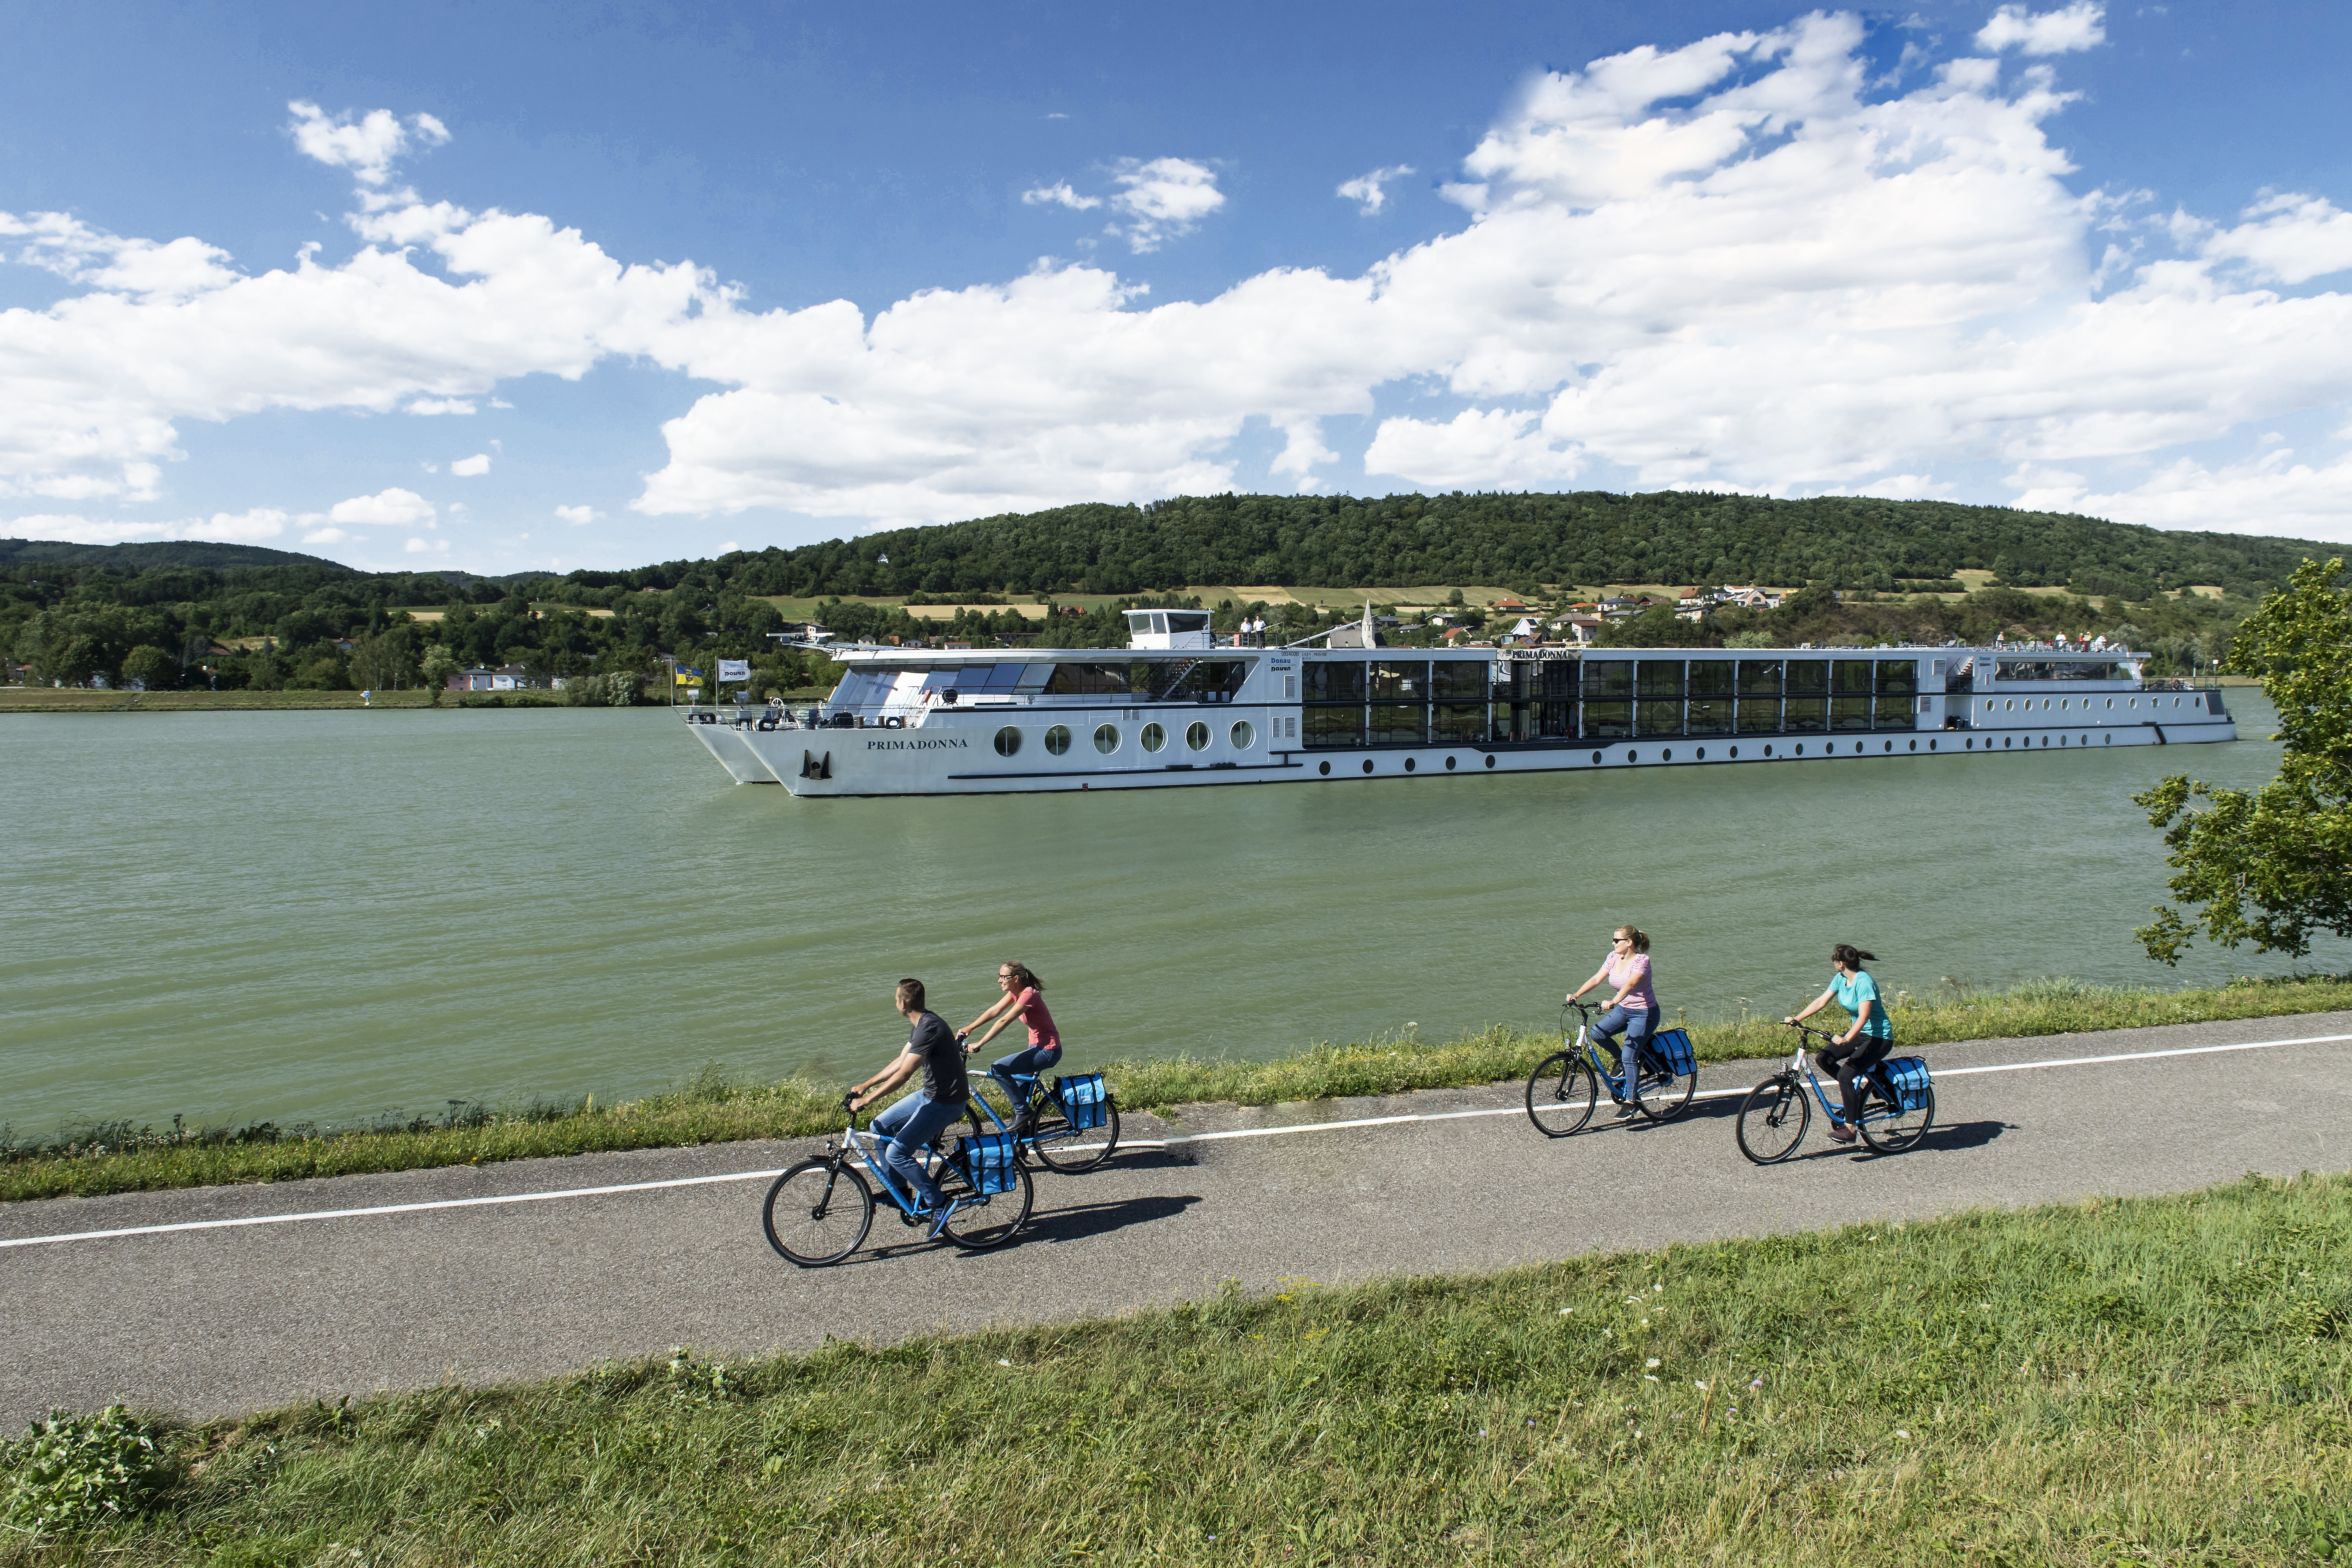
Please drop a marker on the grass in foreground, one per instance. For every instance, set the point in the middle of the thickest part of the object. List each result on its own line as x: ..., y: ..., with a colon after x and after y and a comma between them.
x: 118, y: 1157
x: 2136, y: 1382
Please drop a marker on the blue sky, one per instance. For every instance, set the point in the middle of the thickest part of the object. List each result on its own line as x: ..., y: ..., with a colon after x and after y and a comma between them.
x: 497, y: 287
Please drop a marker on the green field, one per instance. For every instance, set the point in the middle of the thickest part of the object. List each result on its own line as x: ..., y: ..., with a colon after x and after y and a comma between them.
x: 118, y: 1157
x: 2136, y: 1382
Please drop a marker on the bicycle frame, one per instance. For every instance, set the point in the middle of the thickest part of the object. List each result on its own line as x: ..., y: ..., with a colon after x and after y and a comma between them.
x: 1619, y: 1089
x: 1029, y: 1082
x: 1836, y: 1113
x: 868, y: 1149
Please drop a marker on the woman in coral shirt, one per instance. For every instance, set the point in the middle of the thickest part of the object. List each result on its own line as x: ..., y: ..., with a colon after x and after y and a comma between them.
x: 1024, y: 998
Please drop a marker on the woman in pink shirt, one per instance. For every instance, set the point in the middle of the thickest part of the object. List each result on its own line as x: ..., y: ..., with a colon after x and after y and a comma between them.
x: 1024, y: 998
x: 1632, y: 1012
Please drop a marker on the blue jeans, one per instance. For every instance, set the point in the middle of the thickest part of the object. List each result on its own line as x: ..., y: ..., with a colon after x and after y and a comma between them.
x: 1635, y: 1027
x: 1033, y: 1060
x: 909, y: 1125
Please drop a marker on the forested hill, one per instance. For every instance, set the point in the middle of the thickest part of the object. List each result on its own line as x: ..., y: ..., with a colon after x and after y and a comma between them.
x: 182, y: 552
x: 1589, y: 537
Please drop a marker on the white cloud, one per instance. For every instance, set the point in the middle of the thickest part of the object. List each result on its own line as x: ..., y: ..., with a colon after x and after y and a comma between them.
x: 1366, y: 190
x: 328, y: 536
x: 578, y: 516
x: 395, y: 507
x: 1060, y: 193
x: 416, y: 546
x: 366, y: 146
x: 2289, y: 498
x: 1159, y: 200
x: 2075, y: 26
x: 439, y: 405
x: 254, y: 527
x: 1733, y: 263
x: 471, y: 468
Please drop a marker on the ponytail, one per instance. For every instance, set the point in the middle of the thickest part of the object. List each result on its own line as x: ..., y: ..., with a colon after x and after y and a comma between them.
x: 1022, y: 980
x: 1638, y: 937
x: 1846, y: 952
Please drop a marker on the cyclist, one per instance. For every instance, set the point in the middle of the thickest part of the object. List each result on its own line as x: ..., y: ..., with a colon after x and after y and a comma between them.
x: 915, y: 1121
x: 1024, y: 998
x: 1851, y: 988
x: 1632, y: 1012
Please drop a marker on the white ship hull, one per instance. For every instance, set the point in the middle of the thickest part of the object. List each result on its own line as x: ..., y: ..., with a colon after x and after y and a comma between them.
x: 1027, y: 738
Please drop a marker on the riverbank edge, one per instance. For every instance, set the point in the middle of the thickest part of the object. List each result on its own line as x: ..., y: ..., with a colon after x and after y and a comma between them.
x: 2155, y: 1376
x: 107, y: 1158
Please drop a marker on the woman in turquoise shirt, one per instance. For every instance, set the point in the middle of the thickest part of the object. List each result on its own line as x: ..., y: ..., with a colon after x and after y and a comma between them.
x: 1851, y: 988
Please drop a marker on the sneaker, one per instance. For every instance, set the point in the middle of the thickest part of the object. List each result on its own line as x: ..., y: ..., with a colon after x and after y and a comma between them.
x: 1627, y: 1109
x: 1026, y: 1124
x: 1840, y: 1134
x: 940, y: 1219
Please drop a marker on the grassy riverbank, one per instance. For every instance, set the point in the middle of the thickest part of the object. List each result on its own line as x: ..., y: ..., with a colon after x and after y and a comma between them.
x: 118, y: 1157
x: 2136, y: 1381
x: 63, y: 700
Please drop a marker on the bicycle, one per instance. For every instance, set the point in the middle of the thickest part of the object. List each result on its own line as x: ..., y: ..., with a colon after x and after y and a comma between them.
x: 1776, y: 1113
x: 819, y: 1211
x: 1566, y: 1085
x: 1059, y: 1145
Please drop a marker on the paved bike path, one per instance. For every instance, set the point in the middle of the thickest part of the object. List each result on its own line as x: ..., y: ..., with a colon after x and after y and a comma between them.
x: 226, y: 1319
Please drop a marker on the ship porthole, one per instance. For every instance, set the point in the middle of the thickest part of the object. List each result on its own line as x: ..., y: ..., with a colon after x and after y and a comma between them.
x: 1326, y: 770
x: 1106, y: 739
x: 2106, y: 740
x: 1153, y: 737
x: 1490, y: 762
x: 1449, y: 764
x: 1243, y: 735
x: 1368, y: 764
x: 1596, y: 757
x: 1408, y: 764
x: 1058, y: 739
x: 1008, y: 741
x: 2007, y: 741
x: 2045, y: 740
x: 1767, y: 751
x: 1914, y: 745
x: 1702, y: 753
x: 1196, y: 737
x: 1801, y: 748
x: 1632, y: 756
x: 1667, y: 755
x: 1735, y: 750
x: 1931, y: 745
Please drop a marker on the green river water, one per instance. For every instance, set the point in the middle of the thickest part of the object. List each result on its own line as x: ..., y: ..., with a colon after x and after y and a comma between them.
x: 329, y: 915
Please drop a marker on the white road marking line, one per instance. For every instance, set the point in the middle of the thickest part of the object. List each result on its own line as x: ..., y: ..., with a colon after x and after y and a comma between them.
x: 1132, y: 1143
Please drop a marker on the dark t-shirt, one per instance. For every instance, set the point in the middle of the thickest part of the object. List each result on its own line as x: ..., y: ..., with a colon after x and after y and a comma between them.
x: 943, y: 1074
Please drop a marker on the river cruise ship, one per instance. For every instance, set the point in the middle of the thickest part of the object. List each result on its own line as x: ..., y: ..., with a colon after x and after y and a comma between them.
x: 1183, y: 707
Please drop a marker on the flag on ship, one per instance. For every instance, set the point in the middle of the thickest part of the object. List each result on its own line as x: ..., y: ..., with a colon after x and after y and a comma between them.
x: 734, y: 669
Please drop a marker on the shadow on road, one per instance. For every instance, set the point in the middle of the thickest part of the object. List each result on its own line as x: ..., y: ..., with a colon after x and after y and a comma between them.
x: 1965, y: 1134
x: 1083, y: 1220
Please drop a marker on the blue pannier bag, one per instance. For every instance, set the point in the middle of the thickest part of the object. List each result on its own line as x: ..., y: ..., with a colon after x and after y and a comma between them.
x: 987, y: 1162
x: 1907, y: 1076
x: 1082, y: 1097
x: 1673, y: 1047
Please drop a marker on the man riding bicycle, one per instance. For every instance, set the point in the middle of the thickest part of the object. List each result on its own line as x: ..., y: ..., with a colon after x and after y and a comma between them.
x: 1851, y: 988
x: 916, y: 1119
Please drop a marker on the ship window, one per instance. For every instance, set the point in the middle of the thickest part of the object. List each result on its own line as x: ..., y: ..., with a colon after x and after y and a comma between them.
x: 1335, y: 726
x: 1850, y: 677
x: 1805, y: 715
x: 1458, y: 724
x: 1399, y: 725
x: 1708, y: 715
x: 1243, y: 736
x: 1058, y: 739
x: 1399, y: 680
x: 1139, y: 620
x: 1608, y: 680
x: 1892, y: 713
x: 1187, y: 621
x: 1335, y: 681
x: 1759, y: 677
x: 1459, y: 679
x: 1806, y: 678
x: 1659, y: 677
x: 1759, y: 715
x: 1711, y: 677
x: 1658, y: 718
x: 1153, y: 737
x: 1087, y: 680
x: 1898, y: 676
x: 1196, y: 736
x: 1608, y: 720
x: 1849, y: 712
x: 1008, y: 741
x: 1106, y: 739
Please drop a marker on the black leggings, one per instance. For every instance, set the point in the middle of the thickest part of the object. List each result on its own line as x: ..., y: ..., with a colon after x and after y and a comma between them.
x: 1848, y: 1064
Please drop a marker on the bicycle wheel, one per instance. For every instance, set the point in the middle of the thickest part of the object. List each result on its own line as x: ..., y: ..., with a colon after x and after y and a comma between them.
x: 1059, y: 1147
x: 816, y: 1214
x: 1890, y: 1130
x: 978, y: 1224
x: 1773, y: 1118
x: 1664, y: 1095
x: 1560, y: 1093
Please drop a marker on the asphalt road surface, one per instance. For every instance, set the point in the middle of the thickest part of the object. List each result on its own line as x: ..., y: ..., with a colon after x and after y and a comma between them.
x: 471, y: 1279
